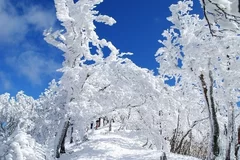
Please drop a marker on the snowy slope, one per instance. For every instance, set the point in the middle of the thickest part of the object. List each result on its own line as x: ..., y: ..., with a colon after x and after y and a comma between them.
x: 125, y: 145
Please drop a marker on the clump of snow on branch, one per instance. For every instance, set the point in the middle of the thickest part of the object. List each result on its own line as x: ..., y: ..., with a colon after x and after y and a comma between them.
x: 21, y: 146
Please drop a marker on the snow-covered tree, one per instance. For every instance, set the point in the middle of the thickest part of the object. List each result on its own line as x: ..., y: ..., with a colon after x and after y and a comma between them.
x: 194, y: 58
x: 18, y: 119
x: 96, y: 85
x: 16, y: 111
x: 76, y: 40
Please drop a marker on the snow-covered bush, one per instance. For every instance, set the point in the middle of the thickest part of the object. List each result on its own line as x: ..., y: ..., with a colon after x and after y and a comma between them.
x: 15, y: 111
x: 21, y: 146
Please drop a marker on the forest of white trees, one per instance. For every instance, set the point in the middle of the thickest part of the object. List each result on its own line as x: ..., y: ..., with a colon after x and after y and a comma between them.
x: 198, y: 116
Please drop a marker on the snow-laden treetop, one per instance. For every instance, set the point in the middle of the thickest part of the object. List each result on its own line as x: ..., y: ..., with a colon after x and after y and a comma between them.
x: 79, y: 33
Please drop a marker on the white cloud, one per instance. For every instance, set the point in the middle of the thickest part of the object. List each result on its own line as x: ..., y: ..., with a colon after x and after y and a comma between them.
x: 39, y: 18
x: 4, y: 81
x: 33, y: 66
x: 12, y: 29
x: 14, y: 26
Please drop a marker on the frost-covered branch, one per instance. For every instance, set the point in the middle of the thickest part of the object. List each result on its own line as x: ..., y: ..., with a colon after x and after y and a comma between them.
x: 221, y: 15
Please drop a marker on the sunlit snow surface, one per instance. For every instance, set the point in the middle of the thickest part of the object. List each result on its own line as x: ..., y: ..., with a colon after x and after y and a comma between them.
x: 124, y: 145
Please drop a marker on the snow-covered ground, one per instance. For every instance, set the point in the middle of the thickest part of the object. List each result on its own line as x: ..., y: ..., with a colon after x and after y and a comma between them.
x: 124, y: 145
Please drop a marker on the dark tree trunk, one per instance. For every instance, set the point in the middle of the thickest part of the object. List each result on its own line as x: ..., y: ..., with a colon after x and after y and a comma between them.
x: 231, y: 133
x: 228, y: 151
x: 61, y: 143
x: 239, y: 135
x: 179, y: 147
x: 163, y: 156
x: 238, y: 144
x: 214, y: 117
x: 100, y: 123
x: 239, y: 6
x: 71, y: 138
x: 173, y: 142
x: 110, y: 125
x: 214, y: 152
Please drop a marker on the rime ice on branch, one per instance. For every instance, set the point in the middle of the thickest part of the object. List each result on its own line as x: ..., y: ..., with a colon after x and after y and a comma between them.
x: 222, y: 15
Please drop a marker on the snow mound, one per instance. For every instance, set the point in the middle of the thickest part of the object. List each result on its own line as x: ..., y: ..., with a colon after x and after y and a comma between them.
x: 21, y: 146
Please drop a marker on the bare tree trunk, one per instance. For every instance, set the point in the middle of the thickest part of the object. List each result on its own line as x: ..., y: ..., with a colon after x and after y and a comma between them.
x: 145, y: 143
x: 110, y: 125
x: 189, y: 131
x: 61, y: 142
x: 230, y: 133
x: 71, y: 136
x: 179, y: 147
x: 163, y: 156
x: 173, y: 142
x: 237, y: 154
x: 214, y: 117
x: 214, y: 135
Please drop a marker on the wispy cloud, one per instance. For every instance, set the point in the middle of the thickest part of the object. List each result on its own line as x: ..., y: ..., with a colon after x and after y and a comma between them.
x: 33, y: 66
x: 26, y: 61
x: 4, y: 81
x: 15, y: 23
x: 41, y: 19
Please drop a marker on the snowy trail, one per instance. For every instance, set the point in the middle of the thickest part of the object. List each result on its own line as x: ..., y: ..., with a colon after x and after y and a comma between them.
x: 115, y: 146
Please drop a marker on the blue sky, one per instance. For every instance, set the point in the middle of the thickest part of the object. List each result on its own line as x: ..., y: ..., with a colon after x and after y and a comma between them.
x: 28, y: 63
